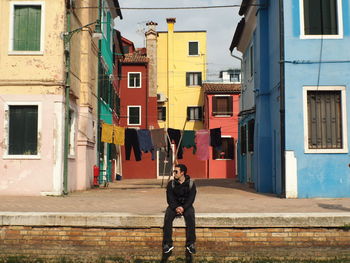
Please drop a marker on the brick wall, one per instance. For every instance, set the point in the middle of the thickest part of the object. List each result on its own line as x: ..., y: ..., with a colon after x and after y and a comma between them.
x: 217, y: 244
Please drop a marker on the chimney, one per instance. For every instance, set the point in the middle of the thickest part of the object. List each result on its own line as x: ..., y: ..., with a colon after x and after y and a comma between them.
x: 151, y: 47
x: 171, y: 21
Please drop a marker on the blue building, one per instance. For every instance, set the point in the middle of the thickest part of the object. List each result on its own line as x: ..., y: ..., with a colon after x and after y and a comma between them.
x: 293, y: 119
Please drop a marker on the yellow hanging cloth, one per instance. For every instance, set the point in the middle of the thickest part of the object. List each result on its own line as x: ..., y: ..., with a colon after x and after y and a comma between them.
x: 107, y: 133
x: 119, y: 135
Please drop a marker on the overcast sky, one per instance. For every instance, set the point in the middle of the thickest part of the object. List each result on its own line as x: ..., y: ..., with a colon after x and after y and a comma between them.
x: 220, y: 24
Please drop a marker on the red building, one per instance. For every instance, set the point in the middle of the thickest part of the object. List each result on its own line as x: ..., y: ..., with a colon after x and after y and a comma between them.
x: 221, y: 111
x: 138, y: 109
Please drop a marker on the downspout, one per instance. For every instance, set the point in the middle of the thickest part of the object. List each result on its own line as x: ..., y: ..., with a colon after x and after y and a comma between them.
x: 67, y: 91
x: 147, y: 96
x: 282, y: 98
x: 98, y: 93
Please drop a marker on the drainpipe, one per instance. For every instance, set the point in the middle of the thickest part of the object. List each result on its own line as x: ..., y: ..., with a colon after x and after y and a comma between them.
x: 67, y: 91
x: 282, y: 98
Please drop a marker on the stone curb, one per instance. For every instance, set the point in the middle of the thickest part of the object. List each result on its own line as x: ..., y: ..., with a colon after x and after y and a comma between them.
x: 217, y: 220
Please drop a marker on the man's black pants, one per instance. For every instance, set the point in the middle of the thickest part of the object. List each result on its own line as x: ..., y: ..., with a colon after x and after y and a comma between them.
x: 190, y: 226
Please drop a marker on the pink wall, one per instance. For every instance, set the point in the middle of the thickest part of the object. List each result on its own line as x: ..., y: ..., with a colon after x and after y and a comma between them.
x: 229, y: 128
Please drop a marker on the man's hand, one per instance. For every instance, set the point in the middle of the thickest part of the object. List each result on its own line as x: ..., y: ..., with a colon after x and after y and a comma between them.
x: 179, y: 210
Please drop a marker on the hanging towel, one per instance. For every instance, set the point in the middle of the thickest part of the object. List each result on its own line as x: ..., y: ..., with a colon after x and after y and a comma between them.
x: 215, y: 138
x: 145, y: 141
x: 107, y: 133
x: 118, y: 135
x: 188, y: 140
x: 158, y: 138
x: 131, y: 140
x: 202, y: 141
x: 175, y: 136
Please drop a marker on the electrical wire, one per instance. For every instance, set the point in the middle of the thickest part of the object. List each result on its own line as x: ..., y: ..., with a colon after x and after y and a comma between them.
x: 166, y: 8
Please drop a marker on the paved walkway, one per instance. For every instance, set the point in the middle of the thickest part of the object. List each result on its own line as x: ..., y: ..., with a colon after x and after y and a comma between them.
x: 146, y: 197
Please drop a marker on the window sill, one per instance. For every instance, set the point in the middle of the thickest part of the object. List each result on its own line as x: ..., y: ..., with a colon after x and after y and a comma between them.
x: 321, y: 37
x: 223, y: 159
x: 25, y: 53
x: 222, y: 116
x: 134, y: 87
x: 194, y: 120
x: 326, y: 151
x: 21, y: 157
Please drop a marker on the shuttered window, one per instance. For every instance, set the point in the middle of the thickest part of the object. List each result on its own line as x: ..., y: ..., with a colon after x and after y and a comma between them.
x: 194, y: 113
x: 161, y: 113
x: 243, y: 139
x: 324, y: 120
x: 193, y: 48
x: 222, y: 105
x: 227, y: 150
x: 23, y: 130
x: 27, y: 28
x: 193, y: 78
x: 320, y: 17
x: 251, y: 124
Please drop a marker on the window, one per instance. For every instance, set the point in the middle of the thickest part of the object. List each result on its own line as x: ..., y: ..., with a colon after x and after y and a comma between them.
x: 134, y: 80
x: 162, y: 113
x: 23, y: 130
x: 27, y: 27
x: 193, y: 78
x: 193, y: 48
x: 222, y: 105
x: 134, y: 115
x: 325, y: 119
x: 194, y: 113
x: 243, y: 139
x: 227, y: 150
x: 321, y: 18
x: 251, y: 124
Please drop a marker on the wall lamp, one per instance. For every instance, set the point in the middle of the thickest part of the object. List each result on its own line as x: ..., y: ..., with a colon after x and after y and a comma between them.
x: 97, y: 33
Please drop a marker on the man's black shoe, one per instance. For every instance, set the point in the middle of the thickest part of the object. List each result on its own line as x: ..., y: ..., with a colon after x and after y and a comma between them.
x: 191, y: 249
x: 167, y: 248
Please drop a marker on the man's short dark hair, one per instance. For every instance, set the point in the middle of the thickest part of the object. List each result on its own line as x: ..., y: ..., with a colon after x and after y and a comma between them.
x: 182, y: 167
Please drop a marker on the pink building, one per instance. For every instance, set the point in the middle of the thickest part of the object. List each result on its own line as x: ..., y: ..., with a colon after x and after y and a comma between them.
x: 221, y: 111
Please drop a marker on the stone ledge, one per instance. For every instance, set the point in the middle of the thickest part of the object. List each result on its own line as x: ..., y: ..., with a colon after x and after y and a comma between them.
x: 215, y: 220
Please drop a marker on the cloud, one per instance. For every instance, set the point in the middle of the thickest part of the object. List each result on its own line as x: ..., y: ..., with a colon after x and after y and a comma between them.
x: 220, y: 24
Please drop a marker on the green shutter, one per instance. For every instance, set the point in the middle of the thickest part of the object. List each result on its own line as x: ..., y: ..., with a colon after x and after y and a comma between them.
x: 23, y: 130
x: 27, y: 28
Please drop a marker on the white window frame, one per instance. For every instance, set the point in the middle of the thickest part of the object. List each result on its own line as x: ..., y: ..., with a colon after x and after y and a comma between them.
x: 340, y: 23
x: 7, y: 129
x: 140, y: 115
x: 344, y: 119
x: 136, y: 87
x: 188, y: 48
x: 11, y: 29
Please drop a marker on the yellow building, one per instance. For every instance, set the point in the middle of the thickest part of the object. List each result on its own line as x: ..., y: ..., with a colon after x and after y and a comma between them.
x: 181, y: 68
x: 37, y: 50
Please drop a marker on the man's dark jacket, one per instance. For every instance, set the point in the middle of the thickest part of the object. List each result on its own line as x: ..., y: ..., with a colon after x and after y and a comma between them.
x: 181, y: 194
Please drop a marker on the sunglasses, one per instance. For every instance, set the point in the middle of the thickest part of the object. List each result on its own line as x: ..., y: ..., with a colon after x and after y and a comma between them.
x: 175, y: 171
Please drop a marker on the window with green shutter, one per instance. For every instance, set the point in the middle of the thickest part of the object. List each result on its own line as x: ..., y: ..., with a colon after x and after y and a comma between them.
x: 27, y: 28
x: 23, y: 130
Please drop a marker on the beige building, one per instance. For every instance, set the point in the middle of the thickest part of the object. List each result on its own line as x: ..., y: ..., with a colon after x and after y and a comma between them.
x: 38, y: 45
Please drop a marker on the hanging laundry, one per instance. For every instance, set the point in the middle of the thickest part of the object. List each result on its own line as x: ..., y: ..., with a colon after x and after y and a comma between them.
x: 188, y: 140
x: 132, y: 141
x: 118, y: 135
x: 175, y: 136
x: 107, y: 133
x: 215, y: 138
x: 202, y: 141
x: 158, y: 138
x: 145, y: 141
